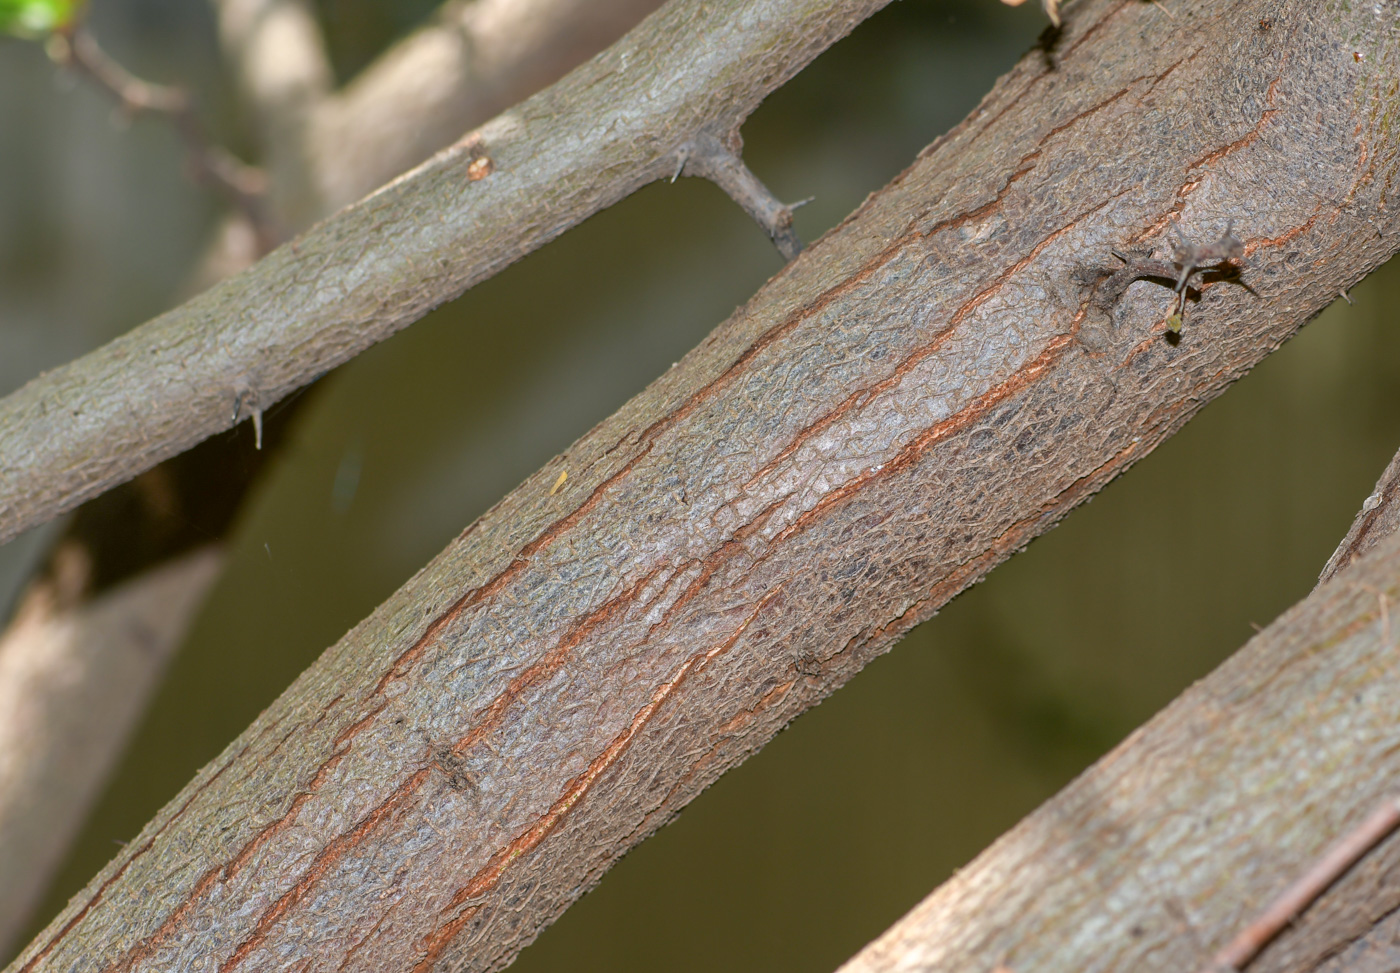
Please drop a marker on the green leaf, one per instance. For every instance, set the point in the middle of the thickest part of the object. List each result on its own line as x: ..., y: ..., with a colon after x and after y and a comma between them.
x: 36, y: 18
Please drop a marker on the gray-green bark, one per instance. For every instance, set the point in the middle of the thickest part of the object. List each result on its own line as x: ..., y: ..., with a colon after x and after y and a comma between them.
x: 918, y: 395
x: 613, y: 125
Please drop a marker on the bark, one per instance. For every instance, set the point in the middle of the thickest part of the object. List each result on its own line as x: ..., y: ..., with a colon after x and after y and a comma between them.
x: 1177, y: 839
x: 473, y: 61
x: 911, y: 400
x: 615, y: 124
x: 140, y: 536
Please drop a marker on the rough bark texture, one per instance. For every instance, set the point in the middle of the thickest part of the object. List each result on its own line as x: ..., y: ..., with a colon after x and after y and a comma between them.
x: 141, y: 534
x: 1172, y: 843
x: 610, y: 127
x: 914, y: 398
x: 476, y: 59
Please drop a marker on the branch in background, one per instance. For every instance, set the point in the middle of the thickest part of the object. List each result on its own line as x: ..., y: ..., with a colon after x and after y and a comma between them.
x: 892, y: 415
x: 279, y: 61
x: 90, y: 640
x: 378, y: 266
x: 242, y: 185
x: 1162, y: 851
x: 69, y: 675
x: 1379, y: 516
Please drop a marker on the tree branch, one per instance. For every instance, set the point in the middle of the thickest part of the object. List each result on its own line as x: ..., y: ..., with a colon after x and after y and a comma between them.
x: 708, y: 156
x: 902, y: 407
x: 71, y: 681
x: 142, y: 537
x: 242, y: 185
x: 279, y: 61
x: 1168, y: 846
x: 422, y: 240
x: 473, y: 61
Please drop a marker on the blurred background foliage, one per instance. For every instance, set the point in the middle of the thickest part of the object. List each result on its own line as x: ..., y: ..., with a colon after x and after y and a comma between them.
x: 845, y: 821
x: 34, y: 18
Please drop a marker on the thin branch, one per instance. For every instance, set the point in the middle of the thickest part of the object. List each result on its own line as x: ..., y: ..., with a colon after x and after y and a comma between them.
x: 710, y: 158
x: 243, y: 185
x: 380, y: 265
x: 583, y: 661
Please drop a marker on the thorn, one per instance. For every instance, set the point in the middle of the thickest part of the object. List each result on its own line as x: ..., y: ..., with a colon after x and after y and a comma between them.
x: 684, y: 157
x: 708, y: 156
x: 246, y: 397
x: 800, y: 203
x: 1344, y: 295
x: 1158, y: 4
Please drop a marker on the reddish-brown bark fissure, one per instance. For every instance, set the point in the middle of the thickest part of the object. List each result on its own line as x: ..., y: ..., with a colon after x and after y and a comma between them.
x: 919, y: 395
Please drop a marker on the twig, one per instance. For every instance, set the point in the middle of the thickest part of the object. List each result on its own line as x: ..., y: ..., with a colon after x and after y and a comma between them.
x: 712, y: 159
x: 1191, y: 258
x: 245, y: 186
x: 1302, y: 893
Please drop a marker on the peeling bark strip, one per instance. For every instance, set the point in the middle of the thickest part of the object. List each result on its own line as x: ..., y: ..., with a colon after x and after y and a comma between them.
x: 1378, y: 519
x: 907, y: 403
x: 616, y: 123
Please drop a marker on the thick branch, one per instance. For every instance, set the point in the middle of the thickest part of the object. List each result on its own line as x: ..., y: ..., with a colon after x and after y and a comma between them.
x: 907, y: 403
x: 1175, y: 841
x: 380, y: 265
x: 135, y: 536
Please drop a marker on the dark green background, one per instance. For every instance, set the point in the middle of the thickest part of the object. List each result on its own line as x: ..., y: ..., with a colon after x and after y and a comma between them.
x: 814, y: 846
